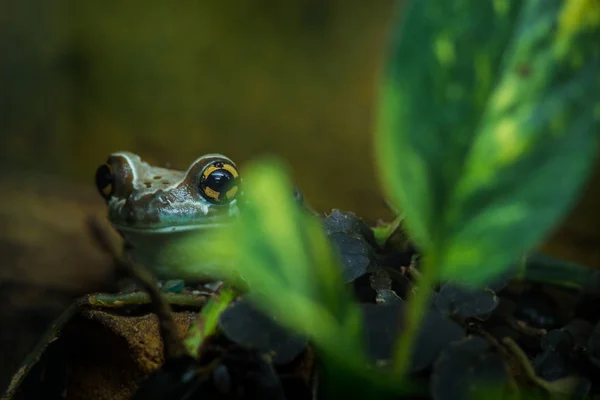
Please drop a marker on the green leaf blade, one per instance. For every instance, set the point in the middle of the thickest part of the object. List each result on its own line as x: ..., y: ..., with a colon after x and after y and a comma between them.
x: 206, y: 322
x: 532, y: 152
x: 437, y: 81
x: 487, y: 174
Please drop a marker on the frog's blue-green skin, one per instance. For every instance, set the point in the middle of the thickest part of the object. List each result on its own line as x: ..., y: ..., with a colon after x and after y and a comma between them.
x: 154, y: 207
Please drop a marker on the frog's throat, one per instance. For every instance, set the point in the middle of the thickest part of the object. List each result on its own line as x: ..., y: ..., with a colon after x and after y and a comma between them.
x: 170, y: 228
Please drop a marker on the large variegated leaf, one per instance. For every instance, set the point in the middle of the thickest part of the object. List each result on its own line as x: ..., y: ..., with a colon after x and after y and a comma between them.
x: 489, y: 117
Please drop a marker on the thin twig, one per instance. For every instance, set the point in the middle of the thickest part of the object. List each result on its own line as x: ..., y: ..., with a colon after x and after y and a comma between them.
x: 523, y: 328
x: 120, y: 300
x: 501, y: 349
x: 173, y: 347
x: 526, y: 366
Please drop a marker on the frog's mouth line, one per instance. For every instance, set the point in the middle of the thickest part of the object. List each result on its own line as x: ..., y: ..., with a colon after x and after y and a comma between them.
x: 171, y: 228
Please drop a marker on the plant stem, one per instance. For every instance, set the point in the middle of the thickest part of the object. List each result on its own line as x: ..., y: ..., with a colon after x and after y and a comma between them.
x: 417, y: 309
x: 207, y: 319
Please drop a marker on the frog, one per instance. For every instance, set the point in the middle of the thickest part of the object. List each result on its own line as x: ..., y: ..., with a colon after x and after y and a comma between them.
x: 153, y: 208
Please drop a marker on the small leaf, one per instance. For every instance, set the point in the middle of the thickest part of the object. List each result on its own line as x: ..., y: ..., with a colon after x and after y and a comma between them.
x: 354, y: 241
x: 383, y: 323
x: 173, y: 286
x: 466, y: 367
x: 252, y: 329
x: 347, y: 222
x: 384, y: 231
x: 465, y: 302
x: 355, y: 254
x: 554, y: 361
x: 488, y: 127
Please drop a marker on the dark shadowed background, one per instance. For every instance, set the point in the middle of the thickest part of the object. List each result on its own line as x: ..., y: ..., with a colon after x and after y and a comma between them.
x: 172, y: 80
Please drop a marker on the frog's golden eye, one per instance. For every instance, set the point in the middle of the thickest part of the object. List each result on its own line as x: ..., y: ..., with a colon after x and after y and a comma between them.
x: 105, y: 181
x: 219, y: 182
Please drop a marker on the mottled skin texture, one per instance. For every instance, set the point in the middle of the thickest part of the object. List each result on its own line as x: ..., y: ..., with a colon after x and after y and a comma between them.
x: 153, y: 198
x: 155, y: 207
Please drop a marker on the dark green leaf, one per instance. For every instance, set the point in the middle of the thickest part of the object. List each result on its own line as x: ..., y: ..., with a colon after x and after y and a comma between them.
x: 347, y: 222
x: 466, y: 367
x: 465, y: 302
x: 488, y: 126
x: 355, y: 254
x: 245, y: 325
x: 384, y: 322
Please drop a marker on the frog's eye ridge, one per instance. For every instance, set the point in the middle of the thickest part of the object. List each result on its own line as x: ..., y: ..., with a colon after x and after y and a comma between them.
x: 105, y: 181
x: 219, y: 182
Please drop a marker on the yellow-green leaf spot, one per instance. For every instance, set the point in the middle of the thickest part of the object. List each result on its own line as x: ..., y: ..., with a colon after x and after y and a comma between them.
x: 501, y: 7
x: 577, y: 15
x: 444, y: 50
x: 459, y: 255
x: 510, y: 145
x: 505, y: 95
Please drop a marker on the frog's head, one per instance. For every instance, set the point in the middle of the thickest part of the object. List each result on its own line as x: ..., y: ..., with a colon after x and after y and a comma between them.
x: 145, y: 199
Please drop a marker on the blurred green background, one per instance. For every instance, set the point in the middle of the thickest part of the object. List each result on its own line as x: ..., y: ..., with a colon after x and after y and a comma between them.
x: 172, y: 80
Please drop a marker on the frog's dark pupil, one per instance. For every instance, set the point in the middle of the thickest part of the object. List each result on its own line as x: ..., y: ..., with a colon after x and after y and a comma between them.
x: 104, y: 180
x: 220, y: 181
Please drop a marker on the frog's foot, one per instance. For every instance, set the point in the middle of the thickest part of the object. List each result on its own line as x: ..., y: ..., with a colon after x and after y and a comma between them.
x: 172, y: 286
x: 180, y: 286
